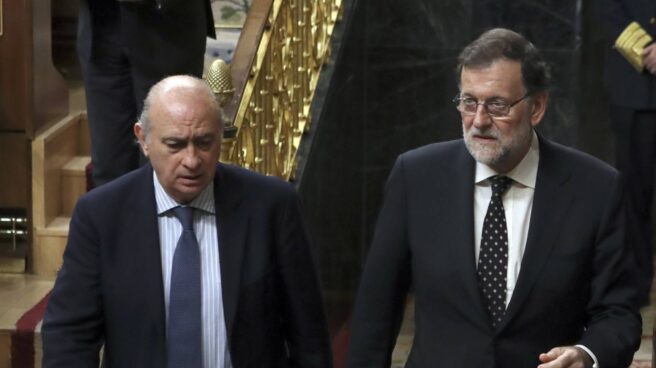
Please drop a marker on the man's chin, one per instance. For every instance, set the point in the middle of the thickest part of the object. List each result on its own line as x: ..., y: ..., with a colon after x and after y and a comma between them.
x: 186, y: 195
x: 483, y: 153
x: 189, y: 189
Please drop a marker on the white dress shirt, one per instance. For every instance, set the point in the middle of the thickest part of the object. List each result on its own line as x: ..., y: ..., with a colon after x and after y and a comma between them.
x: 215, y: 341
x: 517, y: 203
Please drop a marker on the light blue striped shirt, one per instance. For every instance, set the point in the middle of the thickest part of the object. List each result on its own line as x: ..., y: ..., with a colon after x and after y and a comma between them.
x: 215, y: 342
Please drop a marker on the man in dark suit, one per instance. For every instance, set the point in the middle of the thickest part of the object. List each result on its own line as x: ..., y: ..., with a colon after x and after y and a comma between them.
x: 513, y: 244
x: 253, y: 297
x: 126, y: 46
x: 633, y: 117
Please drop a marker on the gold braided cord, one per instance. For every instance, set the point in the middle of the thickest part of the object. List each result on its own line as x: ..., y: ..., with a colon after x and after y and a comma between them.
x: 630, y: 44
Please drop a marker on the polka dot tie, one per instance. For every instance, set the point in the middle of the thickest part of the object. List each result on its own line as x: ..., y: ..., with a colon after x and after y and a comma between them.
x: 493, y: 255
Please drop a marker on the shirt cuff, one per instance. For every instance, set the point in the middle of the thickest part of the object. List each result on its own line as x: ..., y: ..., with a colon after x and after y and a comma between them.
x: 591, y: 354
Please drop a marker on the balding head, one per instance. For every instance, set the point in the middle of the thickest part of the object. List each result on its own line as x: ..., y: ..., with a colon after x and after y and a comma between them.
x: 173, y: 88
x: 180, y: 132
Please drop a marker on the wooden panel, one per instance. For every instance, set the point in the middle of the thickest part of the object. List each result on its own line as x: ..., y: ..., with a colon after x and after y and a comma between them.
x: 49, y: 90
x: 15, y: 46
x: 85, y: 137
x: 5, y: 349
x: 32, y: 92
x: 14, y: 181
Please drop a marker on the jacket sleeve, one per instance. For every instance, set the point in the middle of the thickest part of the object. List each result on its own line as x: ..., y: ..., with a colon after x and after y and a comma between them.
x: 614, y: 324
x: 303, y: 317
x: 385, y: 280
x: 73, y: 324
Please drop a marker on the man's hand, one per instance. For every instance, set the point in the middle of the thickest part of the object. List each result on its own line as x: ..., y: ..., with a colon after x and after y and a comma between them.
x: 566, y: 357
x: 649, y: 58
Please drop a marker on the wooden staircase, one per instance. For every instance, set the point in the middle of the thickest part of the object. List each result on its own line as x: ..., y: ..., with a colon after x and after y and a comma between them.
x: 59, y: 158
x: 60, y: 155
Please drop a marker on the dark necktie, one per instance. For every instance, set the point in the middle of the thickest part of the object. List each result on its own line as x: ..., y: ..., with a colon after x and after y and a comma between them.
x: 493, y: 255
x: 184, y: 341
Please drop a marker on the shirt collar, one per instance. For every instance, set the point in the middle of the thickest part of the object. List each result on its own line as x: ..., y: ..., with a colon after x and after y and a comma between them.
x: 525, y: 173
x: 204, y: 201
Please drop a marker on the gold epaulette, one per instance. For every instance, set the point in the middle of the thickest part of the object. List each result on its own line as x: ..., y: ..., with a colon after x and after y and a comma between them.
x: 630, y: 44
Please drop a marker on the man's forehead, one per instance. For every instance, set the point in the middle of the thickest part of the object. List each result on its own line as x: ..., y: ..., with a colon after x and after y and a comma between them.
x: 183, y: 116
x: 179, y: 129
x: 197, y: 133
x: 499, y: 74
x: 186, y: 107
x: 497, y: 66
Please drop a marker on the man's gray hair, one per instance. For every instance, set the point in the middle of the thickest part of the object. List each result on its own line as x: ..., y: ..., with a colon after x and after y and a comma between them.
x: 501, y: 43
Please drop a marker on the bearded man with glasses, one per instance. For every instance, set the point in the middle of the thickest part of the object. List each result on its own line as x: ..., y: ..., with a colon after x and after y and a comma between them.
x: 514, y: 245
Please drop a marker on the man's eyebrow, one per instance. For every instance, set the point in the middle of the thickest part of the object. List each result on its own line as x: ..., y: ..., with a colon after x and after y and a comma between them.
x: 173, y: 139
x: 491, y: 98
x: 204, y: 137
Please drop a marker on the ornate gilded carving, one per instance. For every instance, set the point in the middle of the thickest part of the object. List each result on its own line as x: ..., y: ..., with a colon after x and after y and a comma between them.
x: 275, y: 107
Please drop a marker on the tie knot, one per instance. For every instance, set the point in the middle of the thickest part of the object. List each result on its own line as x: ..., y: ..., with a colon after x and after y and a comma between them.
x: 185, y: 214
x: 500, y: 184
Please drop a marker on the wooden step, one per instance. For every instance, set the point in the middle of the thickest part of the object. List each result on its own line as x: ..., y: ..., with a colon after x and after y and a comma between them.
x: 76, y: 166
x: 18, y: 295
x: 12, y: 265
x: 73, y: 183
x: 57, y: 227
x: 59, y: 158
x: 13, y: 257
x: 51, y: 240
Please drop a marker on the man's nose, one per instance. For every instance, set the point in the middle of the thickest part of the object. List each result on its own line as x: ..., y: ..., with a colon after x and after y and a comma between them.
x: 191, y: 159
x: 481, y: 119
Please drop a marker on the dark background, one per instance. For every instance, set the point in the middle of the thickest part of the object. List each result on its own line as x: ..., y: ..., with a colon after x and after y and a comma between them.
x: 388, y: 89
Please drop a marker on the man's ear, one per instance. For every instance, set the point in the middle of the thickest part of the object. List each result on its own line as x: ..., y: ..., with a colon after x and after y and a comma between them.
x: 139, y: 133
x: 540, y: 101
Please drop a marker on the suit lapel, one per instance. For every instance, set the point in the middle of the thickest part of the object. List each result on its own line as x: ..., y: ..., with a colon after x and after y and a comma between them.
x: 551, y: 201
x: 143, y: 219
x: 465, y: 253
x: 232, y: 223
x: 455, y: 213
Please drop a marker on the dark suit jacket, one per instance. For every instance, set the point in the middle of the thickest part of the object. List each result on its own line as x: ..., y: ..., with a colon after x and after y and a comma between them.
x: 571, y: 288
x: 158, y: 41
x: 627, y: 87
x: 110, y: 286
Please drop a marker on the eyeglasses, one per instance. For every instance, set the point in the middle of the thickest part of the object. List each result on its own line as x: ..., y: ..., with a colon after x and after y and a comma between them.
x: 495, y: 108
